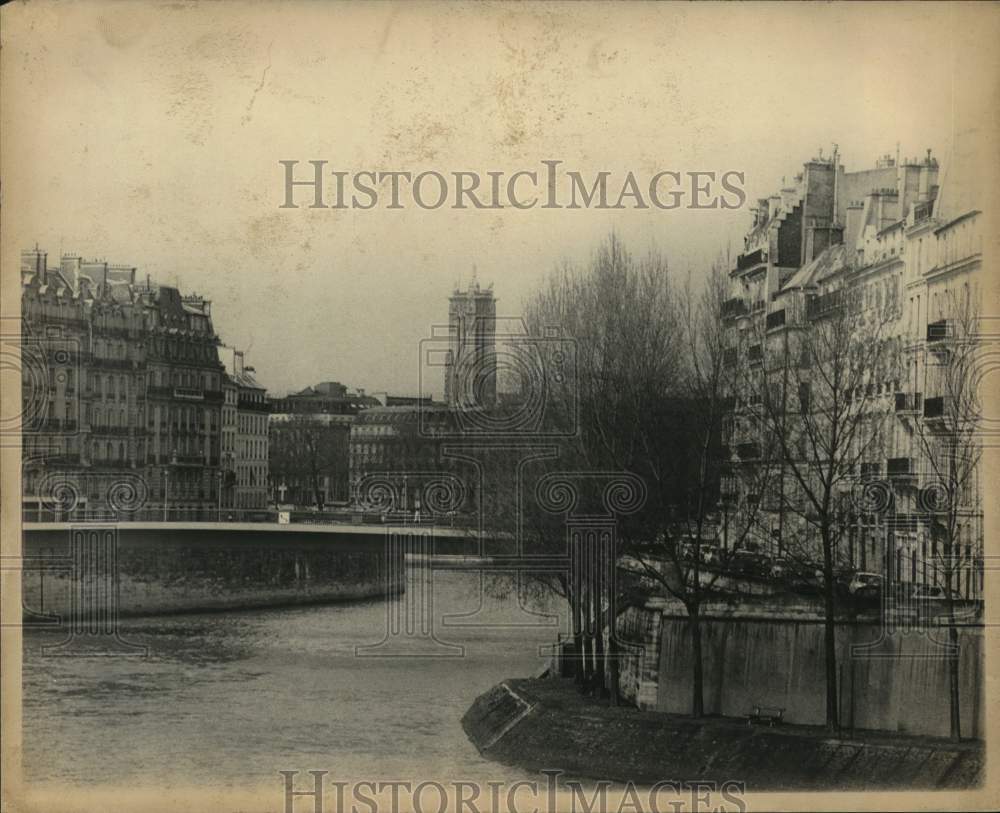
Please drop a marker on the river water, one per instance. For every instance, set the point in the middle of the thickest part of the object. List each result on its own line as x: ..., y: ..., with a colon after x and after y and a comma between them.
x: 229, y: 699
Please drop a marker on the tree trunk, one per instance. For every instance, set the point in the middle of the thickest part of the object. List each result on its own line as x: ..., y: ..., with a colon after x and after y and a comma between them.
x: 586, y: 621
x: 830, y: 636
x: 614, y: 665
x: 954, y: 702
x: 698, y: 674
x: 597, y: 590
x: 578, y: 618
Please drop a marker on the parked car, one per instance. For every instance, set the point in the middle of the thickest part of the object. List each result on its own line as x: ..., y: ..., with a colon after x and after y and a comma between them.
x: 749, y: 563
x: 712, y: 555
x: 709, y: 553
x: 781, y: 567
x: 803, y: 577
x: 865, y: 585
x: 928, y: 592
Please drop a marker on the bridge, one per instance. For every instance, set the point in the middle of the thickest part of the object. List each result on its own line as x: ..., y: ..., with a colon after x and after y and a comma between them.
x: 151, y: 567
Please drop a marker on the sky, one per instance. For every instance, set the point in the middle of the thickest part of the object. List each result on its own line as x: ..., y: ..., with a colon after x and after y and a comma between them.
x: 151, y: 134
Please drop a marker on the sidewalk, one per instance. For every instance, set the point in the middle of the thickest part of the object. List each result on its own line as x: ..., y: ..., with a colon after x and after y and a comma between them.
x: 547, y: 724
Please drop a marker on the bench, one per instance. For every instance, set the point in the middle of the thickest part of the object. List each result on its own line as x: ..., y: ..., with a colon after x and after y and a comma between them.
x: 765, y: 715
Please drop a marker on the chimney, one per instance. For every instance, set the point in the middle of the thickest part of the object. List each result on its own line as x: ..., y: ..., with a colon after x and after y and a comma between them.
x: 71, y: 268
x: 35, y: 262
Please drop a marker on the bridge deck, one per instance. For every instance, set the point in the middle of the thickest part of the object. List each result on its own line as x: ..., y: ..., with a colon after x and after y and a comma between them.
x: 266, y: 527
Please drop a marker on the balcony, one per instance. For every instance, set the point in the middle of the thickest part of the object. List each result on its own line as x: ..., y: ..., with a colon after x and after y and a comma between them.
x: 900, y: 467
x: 57, y: 461
x: 908, y: 401
x: 254, y: 406
x: 733, y: 308
x: 110, y: 464
x: 745, y: 261
x: 53, y: 425
x: 922, y: 211
x: 187, y: 460
x: 936, y: 331
x: 934, y: 408
x: 189, y: 394
x: 871, y: 470
x: 115, y: 364
x: 823, y: 304
x: 776, y: 319
x: 103, y: 429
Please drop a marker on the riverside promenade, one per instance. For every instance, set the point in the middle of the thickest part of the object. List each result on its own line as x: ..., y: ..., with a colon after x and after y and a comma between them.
x: 546, y: 724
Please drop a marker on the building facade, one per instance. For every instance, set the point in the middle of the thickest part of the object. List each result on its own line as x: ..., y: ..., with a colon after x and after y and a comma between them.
x: 121, y: 394
x: 228, y: 442
x: 880, y: 248
x: 184, y: 403
x: 402, y: 451
x: 249, y: 435
x: 309, y: 435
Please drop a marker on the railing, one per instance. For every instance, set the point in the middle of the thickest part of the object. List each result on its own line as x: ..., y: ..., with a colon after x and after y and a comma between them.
x: 254, y: 406
x: 934, y: 407
x: 922, y: 211
x: 157, y: 513
x: 823, y: 304
x: 187, y: 460
x: 733, y: 308
x: 189, y: 393
x: 899, y: 467
x: 103, y: 429
x: 870, y: 470
x: 749, y: 260
x: 908, y: 401
x: 114, y: 364
x: 41, y: 319
x: 53, y: 425
x: 55, y: 461
x: 938, y: 331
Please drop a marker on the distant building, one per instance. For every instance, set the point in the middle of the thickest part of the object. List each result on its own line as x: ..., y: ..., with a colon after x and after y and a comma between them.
x: 470, y: 368
x: 385, y: 399
x: 403, y: 446
x: 228, y: 441
x: 308, y: 440
x: 250, y: 490
x: 184, y: 404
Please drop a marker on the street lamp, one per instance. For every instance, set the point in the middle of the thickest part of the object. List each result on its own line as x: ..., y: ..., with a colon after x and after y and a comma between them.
x: 220, y: 478
x: 166, y: 483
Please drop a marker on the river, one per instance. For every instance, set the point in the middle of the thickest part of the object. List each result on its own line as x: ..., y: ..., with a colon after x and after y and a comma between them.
x: 229, y: 699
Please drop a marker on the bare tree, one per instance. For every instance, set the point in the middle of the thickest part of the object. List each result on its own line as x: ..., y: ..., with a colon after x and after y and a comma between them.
x: 685, y: 547
x: 950, y: 444
x: 304, y: 452
x: 814, y: 390
x: 650, y: 392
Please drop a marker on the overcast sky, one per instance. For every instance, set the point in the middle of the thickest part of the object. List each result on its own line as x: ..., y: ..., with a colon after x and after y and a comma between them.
x: 151, y: 135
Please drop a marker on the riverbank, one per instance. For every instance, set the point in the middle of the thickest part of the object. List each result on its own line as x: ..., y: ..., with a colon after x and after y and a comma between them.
x: 546, y: 724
